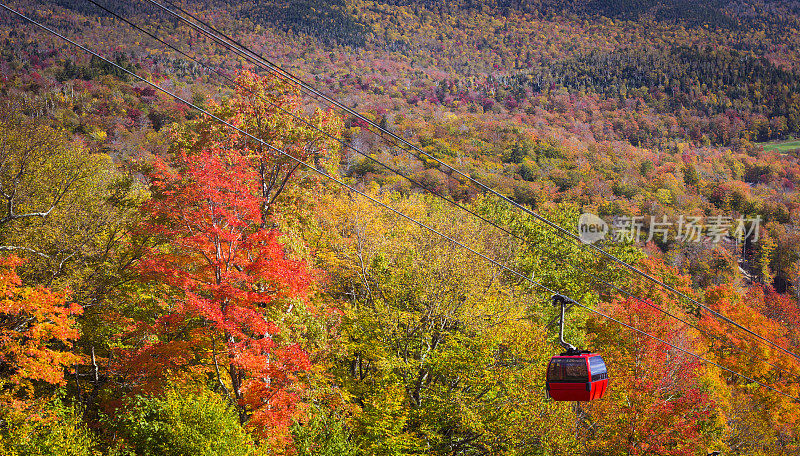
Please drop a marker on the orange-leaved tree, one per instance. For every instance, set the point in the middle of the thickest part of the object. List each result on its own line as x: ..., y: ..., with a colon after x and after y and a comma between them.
x: 658, y: 402
x: 37, y: 329
x: 758, y: 420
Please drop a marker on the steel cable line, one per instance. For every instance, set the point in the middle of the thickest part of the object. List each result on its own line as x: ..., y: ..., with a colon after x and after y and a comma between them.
x: 375, y: 201
x: 243, y: 50
x: 594, y: 278
x: 277, y: 150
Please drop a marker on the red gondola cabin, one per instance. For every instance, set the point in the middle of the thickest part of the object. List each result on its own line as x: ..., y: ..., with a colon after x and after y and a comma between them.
x: 577, y: 377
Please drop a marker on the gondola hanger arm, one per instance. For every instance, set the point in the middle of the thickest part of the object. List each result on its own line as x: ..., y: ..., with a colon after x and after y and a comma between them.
x: 563, y: 301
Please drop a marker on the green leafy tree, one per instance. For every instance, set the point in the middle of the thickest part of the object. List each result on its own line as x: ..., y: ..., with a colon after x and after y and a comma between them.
x: 181, y: 423
x: 56, y: 430
x: 441, y: 354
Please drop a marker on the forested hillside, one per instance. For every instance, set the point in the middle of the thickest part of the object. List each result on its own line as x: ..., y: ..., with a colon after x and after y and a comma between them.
x: 201, y: 255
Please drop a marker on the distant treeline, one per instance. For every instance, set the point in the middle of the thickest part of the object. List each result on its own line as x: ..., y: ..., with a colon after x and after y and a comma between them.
x: 712, y: 81
x: 329, y: 21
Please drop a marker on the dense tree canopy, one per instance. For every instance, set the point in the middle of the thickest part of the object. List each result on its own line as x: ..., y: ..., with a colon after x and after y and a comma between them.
x: 171, y: 285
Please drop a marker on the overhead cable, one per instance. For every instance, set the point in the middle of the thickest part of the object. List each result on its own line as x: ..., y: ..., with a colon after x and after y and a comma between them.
x: 241, y: 49
x: 594, y: 278
x: 373, y: 200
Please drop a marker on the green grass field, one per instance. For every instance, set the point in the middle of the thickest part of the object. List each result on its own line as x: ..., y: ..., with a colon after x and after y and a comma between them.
x: 782, y: 146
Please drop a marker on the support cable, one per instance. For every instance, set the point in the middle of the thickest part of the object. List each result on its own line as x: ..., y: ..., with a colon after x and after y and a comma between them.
x: 241, y: 49
x: 377, y: 202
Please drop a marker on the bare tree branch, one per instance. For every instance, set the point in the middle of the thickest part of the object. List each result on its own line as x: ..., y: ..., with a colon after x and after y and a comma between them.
x: 14, y: 247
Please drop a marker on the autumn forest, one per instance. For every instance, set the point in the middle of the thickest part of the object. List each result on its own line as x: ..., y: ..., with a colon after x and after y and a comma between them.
x: 307, y: 227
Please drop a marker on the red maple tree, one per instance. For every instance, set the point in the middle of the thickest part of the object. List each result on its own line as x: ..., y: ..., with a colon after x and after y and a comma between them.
x: 657, y: 402
x: 227, y: 275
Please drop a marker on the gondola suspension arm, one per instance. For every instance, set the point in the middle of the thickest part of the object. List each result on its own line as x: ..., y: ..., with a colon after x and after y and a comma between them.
x: 563, y: 301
